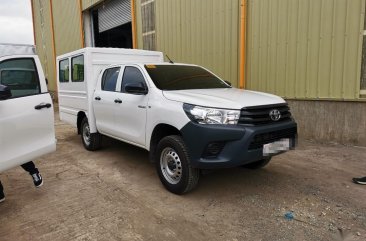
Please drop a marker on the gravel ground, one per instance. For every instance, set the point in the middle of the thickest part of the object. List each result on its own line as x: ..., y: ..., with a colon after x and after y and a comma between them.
x: 115, y: 194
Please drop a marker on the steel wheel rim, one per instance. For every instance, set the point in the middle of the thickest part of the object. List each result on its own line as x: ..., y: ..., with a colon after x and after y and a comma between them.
x: 170, y: 165
x: 86, y: 134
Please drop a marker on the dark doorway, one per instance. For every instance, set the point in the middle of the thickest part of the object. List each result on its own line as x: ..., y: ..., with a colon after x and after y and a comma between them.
x: 118, y: 37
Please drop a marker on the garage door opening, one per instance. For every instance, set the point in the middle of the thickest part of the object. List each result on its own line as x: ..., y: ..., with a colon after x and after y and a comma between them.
x: 117, y: 37
x: 111, y: 24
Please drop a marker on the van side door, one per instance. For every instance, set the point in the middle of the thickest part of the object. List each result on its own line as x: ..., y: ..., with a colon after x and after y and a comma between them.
x: 26, y: 117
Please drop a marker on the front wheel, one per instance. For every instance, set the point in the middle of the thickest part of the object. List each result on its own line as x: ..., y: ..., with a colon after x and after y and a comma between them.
x: 258, y: 164
x: 91, y: 141
x: 174, y: 167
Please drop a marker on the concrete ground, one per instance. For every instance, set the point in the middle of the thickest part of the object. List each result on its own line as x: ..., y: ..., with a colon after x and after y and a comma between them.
x: 115, y: 194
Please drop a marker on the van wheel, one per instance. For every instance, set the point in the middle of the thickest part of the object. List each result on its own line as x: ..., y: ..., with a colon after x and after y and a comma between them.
x: 174, y: 167
x: 91, y: 141
x: 258, y: 164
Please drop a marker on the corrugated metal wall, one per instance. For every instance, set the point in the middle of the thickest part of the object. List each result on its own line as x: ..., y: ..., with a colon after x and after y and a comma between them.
x: 139, y: 24
x: 42, y: 27
x: 89, y: 3
x: 66, y: 20
x: 202, y: 32
x: 305, y: 48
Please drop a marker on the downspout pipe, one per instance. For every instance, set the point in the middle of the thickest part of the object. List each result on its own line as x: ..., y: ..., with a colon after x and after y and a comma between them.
x: 133, y: 16
x: 242, y: 61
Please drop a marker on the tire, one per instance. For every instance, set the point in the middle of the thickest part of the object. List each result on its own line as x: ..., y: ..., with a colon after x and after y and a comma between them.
x: 258, y: 164
x: 174, y: 167
x: 91, y: 141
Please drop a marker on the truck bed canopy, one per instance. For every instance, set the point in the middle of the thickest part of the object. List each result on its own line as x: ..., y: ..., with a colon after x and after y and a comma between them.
x: 16, y: 49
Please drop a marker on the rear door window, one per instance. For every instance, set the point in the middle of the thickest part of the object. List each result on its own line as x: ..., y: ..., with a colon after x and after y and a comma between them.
x: 21, y: 76
x: 109, y: 79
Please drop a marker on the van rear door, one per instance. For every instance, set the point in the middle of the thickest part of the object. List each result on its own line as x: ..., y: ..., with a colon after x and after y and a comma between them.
x: 26, y: 117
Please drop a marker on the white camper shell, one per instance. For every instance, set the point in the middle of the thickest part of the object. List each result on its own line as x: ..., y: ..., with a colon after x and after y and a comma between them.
x: 78, y: 74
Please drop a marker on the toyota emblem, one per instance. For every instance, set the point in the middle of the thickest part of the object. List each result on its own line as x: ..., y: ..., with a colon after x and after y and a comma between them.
x: 275, y: 115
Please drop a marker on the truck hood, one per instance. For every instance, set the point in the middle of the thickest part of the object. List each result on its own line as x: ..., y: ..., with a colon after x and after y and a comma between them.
x: 228, y: 98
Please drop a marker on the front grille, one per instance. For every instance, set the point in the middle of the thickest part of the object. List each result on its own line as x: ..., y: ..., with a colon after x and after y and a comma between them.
x: 260, y: 139
x: 260, y: 115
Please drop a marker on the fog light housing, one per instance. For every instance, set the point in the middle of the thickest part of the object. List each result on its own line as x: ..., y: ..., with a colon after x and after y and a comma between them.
x: 213, y: 149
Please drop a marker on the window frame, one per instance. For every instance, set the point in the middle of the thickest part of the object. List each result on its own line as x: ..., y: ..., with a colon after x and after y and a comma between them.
x: 36, y: 70
x: 118, y: 77
x: 59, y: 70
x: 72, y: 68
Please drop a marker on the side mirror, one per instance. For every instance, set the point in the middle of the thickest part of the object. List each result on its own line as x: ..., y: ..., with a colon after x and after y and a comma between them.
x: 227, y: 82
x: 5, y: 92
x: 136, y: 88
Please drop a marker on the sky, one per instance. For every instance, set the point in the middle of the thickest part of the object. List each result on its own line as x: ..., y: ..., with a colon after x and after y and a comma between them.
x: 16, y: 24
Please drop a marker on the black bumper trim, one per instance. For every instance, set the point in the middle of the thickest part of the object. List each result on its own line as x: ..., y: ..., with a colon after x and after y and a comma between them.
x: 237, y: 139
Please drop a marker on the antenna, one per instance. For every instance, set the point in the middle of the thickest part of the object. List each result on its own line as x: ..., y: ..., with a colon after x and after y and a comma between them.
x: 170, y: 61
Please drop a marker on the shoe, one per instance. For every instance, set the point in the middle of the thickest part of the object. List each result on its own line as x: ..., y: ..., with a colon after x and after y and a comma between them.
x: 361, y: 180
x: 2, y: 197
x: 37, y: 179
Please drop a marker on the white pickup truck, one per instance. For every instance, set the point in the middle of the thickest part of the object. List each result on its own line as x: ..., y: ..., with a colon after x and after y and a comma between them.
x: 186, y: 116
x: 26, y: 111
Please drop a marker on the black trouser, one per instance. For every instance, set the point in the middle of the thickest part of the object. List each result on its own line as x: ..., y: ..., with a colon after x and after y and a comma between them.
x: 28, y: 167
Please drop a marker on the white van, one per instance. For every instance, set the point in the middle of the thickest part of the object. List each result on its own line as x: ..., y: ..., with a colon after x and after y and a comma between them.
x: 183, y: 114
x: 26, y: 110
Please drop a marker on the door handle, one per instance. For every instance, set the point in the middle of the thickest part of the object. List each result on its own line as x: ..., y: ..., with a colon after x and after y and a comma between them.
x: 42, y: 105
x: 97, y: 98
x: 118, y: 101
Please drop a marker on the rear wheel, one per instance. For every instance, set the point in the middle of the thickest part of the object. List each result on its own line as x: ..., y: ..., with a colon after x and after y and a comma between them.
x: 174, y: 167
x: 91, y: 141
x: 258, y: 164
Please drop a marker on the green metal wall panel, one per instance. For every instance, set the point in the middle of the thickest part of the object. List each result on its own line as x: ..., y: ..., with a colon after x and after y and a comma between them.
x: 305, y: 48
x: 89, y: 3
x: 66, y: 20
x: 138, y: 24
x: 42, y: 28
x: 204, y: 32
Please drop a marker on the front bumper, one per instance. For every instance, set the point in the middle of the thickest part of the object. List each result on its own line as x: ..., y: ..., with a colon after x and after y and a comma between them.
x: 241, y: 144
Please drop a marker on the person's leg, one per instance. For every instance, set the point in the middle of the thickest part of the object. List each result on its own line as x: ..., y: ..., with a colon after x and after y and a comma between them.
x: 30, y: 167
x: 2, y: 196
x: 33, y: 171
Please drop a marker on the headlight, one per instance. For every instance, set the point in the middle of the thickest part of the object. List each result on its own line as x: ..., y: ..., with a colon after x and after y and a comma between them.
x: 204, y: 115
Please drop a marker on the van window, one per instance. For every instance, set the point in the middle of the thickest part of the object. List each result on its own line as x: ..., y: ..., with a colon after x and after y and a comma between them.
x: 132, y: 75
x: 109, y: 79
x: 77, y: 71
x: 64, y: 70
x: 21, y: 76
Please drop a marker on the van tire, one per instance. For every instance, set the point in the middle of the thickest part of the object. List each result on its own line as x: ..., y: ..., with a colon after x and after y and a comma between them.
x: 258, y: 164
x: 174, y: 167
x: 91, y: 141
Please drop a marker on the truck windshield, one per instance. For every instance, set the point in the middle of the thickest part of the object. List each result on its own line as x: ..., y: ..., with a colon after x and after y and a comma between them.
x: 183, y: 77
